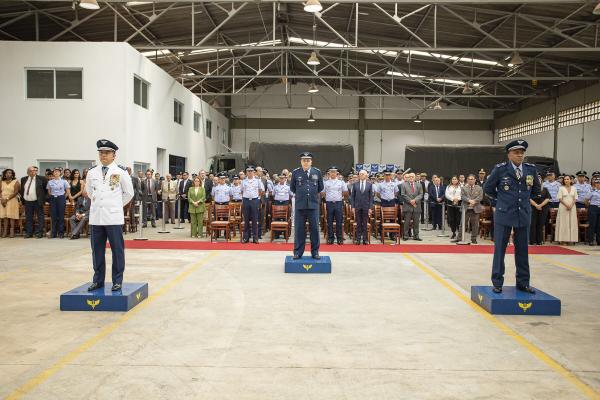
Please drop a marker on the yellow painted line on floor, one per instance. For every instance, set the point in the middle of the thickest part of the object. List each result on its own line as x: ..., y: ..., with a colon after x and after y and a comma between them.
x: 567, y: 266
x: 107, y: 330
x: 532, y: 348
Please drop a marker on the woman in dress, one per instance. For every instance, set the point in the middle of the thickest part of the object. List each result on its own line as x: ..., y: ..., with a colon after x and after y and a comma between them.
x: 567, y: 227
x: 9, y: 205
x: 196, y: 198
x: 453, y: 196
x: 75, y: 186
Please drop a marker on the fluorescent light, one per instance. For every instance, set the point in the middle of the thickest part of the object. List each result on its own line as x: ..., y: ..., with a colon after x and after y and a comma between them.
x: 313, y: 59
x: 432, y: 80
x: 467, y: 60
x: 252, y: 44
x: 313, y: 88
x: 89, y: 4
x: 157, y: 53
x: 313, y: 6
x: 137, y: 3
x: 311, y: 118
x: 417, y: 120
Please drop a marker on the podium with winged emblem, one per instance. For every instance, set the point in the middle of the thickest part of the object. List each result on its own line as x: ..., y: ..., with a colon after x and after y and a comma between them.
x: 515, y: 302
x: 103, y: 299
x: 307, y: 265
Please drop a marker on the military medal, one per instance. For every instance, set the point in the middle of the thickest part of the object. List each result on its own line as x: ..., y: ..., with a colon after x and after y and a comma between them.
x: 529, y: 180
x: 506, y: 187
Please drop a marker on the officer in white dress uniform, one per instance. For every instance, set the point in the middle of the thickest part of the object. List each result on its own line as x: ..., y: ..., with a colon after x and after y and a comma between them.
x: 109, y: 188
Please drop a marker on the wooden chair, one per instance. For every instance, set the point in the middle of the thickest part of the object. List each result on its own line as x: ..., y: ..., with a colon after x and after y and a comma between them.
x: 485, y: 222
x: 21, y: 219
x: 552, y: 222
x: 69, y: 211
x: 369, y: 225
x: 389, y: 224
x: 376, y: 217
x: 208, y: 217
x: 220, y: 222
x: 280, y: 221
x: 235, y: 219
x: 583, y: 223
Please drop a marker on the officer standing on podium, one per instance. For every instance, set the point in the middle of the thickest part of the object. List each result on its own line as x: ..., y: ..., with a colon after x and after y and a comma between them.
x: 512, y: 184
x: 306, y: 184
x: 109, y: 188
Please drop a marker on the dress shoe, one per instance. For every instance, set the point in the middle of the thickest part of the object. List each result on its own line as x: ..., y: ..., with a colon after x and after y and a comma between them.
x: 497, y: 289
x: 418, y: 239
x: 527, y: 289
x: 296, y: 257
x: 357, y: 242
x: 30, y: 236
x: 154, y: 225
x: 316, y: 256
x: 116, y: 287
x: 246, y: 240
x: 455, y: 240
x: 365, y: 242
x: 39, y: 236
x: 474, y: 241
x: 144, y: 225
x: 94, y: 286
x: 255, y: 241
x: 405, y: 238
x: 591, y: 243
x: 340, y: 241
x: 329, y: 241
x: 453, y: 236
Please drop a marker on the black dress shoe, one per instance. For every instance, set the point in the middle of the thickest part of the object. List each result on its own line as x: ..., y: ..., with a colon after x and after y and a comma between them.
x: 340, y: 241
x: 474, y: 241
x: 255, y: 241
x: 405, y: 238
x: 329, y: 241
x: 418, y: 239
x: 116, y: 287
x: 455, y: 240
x: 246, y: 240
x: 30, y: 236
x: 94, y: 286
x: 316, y: 256
x: 39, y: 236
x: 365, y: 242
x: 526, y: 289
x: 356, y: 242
x: 453, y: 236
x: 497, y: 289
x: 296, y: 257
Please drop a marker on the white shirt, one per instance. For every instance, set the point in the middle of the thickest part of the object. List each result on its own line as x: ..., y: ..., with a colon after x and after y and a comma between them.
x: 32, y: 196
x: 108, y: 193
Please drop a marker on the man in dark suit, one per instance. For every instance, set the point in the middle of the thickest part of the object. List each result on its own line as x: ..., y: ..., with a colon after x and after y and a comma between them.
x: 208, y: 185
x: 80, y: 216
x: 182, y: 190
x: 33, y: 192
x: 362, y: 200
x: 306, y: 184
x: 411, y: 193
x: 436, y: 197
x: 149, y: 188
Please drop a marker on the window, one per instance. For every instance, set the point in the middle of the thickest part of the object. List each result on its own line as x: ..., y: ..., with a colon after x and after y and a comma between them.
x: 196, y: 121
x: 208, y: 129
x: 70, y: 164
x: 140, y: 166
x: 140, y: 92
x: 54, y: 83
x: 178, y: 112
x: 223, y: 136
x: 571, y: 116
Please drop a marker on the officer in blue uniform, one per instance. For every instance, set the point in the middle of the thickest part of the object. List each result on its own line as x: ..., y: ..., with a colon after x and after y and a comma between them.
x: 252, y: 189
x: 334, y: 192
x: 593, y: 201
x: 512, y: 184
x: 583, y: 188
x: 306, y: 184
x: 109, y: 188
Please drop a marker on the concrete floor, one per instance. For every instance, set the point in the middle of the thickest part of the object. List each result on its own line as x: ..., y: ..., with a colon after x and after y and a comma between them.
x: 234, y: 326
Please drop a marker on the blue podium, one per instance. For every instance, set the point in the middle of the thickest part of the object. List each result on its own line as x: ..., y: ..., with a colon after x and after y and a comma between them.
x: 103, y: 299
x: 514, y: 302
x: 307, y: 265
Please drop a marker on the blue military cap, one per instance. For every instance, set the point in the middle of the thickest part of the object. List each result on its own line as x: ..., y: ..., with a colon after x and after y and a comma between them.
x: 222, y: 175
x: 549, y: 172
x: 388, y: 172
x: 306, y: 154
x: 595, y: 173
x: 516, y: 145
x: 333, y: 168
x: 581, y: 173
x: 235, y: 177
x: 105, y: 144
x: 250, y: 168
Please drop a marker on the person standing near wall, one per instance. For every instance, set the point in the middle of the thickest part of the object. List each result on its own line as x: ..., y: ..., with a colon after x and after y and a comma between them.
x: 9, y: 205
x: 57, y: 189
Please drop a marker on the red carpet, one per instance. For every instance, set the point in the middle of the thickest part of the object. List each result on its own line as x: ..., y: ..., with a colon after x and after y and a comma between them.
x: 347, y: 248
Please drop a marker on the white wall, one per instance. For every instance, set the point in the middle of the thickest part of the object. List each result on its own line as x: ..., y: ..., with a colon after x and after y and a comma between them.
x: 385, y: 146
x: 34, y: 130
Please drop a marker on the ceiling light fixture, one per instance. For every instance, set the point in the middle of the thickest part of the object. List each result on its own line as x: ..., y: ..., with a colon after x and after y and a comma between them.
x: 467, y: 89
x: 313, y: 88
x: 313, y: 59
x: 89, y: 4
x: 311, y: 118
x: 515, y: 59
x: 137, y: 3
x: 313, y: 6
x: 437, y: 105
x: 417, y: 120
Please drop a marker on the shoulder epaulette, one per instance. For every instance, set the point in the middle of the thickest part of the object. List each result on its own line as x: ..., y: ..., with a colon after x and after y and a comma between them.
x: 501, y: 164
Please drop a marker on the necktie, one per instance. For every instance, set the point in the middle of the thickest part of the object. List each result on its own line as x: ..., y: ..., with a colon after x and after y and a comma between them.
x: 104, y: 169
x: 28, y: 185
x: 412, y: 186
x: 437, y: 192
x: 148, y: 185
x: 518, y: 173
x: 362, y: 187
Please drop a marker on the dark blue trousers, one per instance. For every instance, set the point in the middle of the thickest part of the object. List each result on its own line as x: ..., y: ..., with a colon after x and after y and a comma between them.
x: 32, y: 207
x: 334, y: 213
x: 521, y: 242
x: 57, y: 214
x: 98, y: 236
x: 435, y: 211
x: 594, y: 219
x: 250, y: 210
x: 300, y: 218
